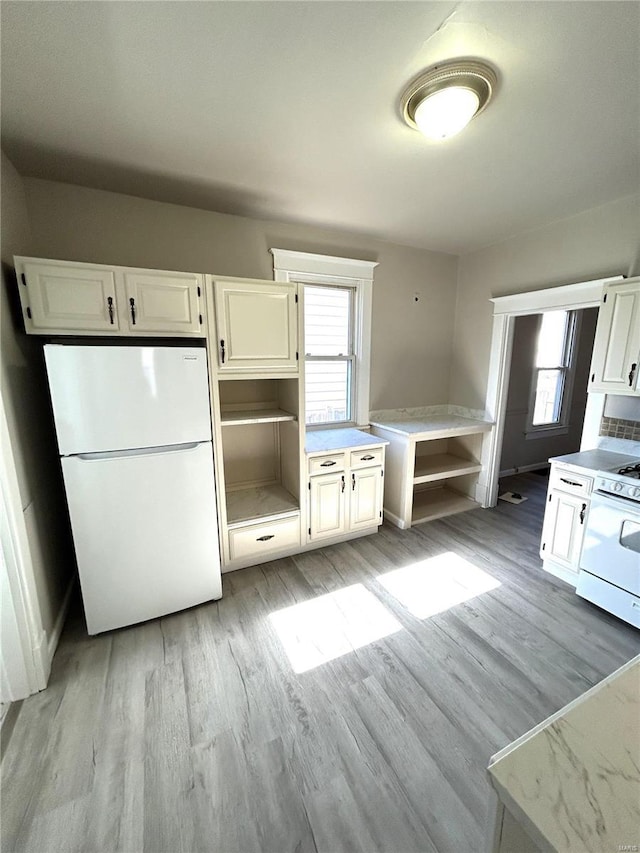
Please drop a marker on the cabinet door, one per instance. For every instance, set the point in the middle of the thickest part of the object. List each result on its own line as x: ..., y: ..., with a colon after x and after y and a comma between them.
x: 365, y: 506
x: 257, y: 326
x: 68, y: 299
x: 617, y: 345
x: 163, y: 302
x: 327, y: 506
x: 563, y: 529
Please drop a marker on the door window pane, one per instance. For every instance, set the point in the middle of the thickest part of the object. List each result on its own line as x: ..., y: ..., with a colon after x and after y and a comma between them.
x: 327, y: 391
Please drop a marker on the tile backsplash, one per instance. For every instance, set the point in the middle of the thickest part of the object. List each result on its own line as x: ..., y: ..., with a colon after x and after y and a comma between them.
x: 620, y: 428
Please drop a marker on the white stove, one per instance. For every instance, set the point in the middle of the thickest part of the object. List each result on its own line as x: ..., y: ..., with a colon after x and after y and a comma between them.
x: 610, y: 561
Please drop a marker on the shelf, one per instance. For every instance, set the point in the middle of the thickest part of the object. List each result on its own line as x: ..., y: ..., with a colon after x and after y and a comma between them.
x: 441, y: 466
x: 437, y: 503
x: 259, y: 502
x: 255, y: 416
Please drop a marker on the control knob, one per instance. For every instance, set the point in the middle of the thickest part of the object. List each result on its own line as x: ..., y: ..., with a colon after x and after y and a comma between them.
x: 634, y: 492
x: 617, y: 487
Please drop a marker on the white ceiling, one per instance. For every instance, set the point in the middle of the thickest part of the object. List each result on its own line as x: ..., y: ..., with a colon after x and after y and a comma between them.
x: 289, y: 110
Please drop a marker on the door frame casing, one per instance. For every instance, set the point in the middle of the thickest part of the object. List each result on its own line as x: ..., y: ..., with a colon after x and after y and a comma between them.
x: 570, y: 297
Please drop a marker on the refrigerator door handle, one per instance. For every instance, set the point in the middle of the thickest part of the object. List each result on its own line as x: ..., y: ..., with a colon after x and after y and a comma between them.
x: 138, y: 451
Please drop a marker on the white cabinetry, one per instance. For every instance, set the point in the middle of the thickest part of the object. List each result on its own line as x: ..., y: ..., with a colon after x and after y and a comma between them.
x: 616, y: 351
x: 568, y: 500
x: 349, y: 499
x: 163, y: 302
x: 256, y: 326
x: 68, y: 298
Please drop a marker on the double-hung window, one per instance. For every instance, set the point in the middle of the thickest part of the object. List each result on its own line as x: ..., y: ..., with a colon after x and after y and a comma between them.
x: 552, y: 379
x: 336, y: 318
x: 329, y: 359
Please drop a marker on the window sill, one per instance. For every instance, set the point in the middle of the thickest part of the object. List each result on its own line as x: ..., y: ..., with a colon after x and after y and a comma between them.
x: 546, y: 432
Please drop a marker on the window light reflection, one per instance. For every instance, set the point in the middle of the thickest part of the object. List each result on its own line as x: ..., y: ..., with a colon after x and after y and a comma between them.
x: 436, y: 584
x: 332, y: 625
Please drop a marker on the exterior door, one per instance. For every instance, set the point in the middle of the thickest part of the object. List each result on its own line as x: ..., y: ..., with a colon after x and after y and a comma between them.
x: 327, y: 506
x: 163, y: 302
x: 257, y: 326
x: 366, y: 498
x: 69, y: 298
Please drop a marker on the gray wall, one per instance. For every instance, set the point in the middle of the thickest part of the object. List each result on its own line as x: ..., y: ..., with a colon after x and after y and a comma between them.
x: 25, y: 397
x: 517, y: 450
x: 597, y: 243
x: 411, y: 341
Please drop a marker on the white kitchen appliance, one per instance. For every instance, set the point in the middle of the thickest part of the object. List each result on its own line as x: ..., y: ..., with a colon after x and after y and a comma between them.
x: 610, y: 561
x: 134, y: 434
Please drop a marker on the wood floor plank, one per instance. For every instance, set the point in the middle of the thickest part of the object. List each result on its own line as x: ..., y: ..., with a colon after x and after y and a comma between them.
x: 206, y: 731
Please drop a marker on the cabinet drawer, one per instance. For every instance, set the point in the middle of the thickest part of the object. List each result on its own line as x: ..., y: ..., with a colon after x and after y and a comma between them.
x: 569, y: 481
x: 366, y: 458
x: 326, y: 464
x: 264, y: 538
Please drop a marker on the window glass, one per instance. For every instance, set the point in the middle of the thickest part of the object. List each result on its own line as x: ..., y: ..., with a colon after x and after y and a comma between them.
x: 551, y: 339
x: 548, y: 399
x: 327, y: 320
x: 327, y: 391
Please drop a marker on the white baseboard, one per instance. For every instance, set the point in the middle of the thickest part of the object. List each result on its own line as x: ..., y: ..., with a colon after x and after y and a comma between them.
x: 557, y: 571
x: 394, y: 519
x: 54, y: 639
x: 522, y: 469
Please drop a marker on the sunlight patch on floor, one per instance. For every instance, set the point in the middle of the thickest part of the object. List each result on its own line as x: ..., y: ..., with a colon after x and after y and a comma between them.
x: 332, y: 625
x: 434, y: 585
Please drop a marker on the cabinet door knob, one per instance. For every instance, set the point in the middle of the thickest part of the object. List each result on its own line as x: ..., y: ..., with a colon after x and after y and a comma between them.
x: 343, y: 482
x: 110, y: 308
x: 582, y: 513
x: 132, y: 303
x: 631, y: 373
x: 353, y: 482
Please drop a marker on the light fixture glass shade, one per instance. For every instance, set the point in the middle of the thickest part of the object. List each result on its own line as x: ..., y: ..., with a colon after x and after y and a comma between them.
x: 446, y: 112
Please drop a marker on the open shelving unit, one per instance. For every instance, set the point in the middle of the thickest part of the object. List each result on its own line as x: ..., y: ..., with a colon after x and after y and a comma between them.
x: 432, y: 466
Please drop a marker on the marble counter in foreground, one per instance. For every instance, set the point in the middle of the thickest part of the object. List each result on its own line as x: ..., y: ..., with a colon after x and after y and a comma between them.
x: 595, y: 460
x: 573, y: 782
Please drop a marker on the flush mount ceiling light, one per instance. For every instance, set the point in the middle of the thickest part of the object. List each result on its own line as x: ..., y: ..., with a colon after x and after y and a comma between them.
x: 444, y: 99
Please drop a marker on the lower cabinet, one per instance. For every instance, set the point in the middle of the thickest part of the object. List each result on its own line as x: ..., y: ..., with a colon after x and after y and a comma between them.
x: 345, y: 500
x: 565, y: 517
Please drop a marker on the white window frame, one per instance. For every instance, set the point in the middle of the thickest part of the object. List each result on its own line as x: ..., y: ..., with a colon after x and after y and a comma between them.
x: 307, y: 268
x: 561, y: 426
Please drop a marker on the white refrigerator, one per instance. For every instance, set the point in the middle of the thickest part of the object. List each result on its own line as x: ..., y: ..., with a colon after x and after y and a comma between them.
x: 134, y: 434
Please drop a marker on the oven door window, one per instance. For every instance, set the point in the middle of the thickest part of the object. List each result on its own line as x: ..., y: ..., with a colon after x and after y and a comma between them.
x: 630, y: 535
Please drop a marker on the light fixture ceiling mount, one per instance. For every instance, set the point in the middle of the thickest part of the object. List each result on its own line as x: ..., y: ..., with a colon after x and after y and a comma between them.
x: 444, y: 99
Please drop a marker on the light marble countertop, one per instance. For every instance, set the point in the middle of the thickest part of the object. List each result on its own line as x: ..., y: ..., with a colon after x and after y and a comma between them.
x: 433, y: 425
x: 596, y: 460
x: 573, y: 782
x: 325, y: 440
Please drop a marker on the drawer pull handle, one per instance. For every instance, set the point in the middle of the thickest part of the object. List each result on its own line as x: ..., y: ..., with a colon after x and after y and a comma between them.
x: 327, y: 464
x: 569, y: 482
x: 132, y: 303
x: 582, y: 512
x: 367, y: 458
x: 265, y: 538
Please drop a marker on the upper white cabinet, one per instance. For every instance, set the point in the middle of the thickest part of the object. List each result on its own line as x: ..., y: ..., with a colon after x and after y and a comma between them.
x: 256, y: 326
x: 163, y: 302
x: 616, y: 352
x: 67, y: 298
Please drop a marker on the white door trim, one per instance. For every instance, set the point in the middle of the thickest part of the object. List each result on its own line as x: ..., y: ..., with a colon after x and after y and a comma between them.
x: 25, y: 664
x: 586, y: 294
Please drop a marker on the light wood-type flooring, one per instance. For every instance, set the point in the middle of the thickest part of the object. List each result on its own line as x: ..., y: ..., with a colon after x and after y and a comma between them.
x: 419, y: 653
